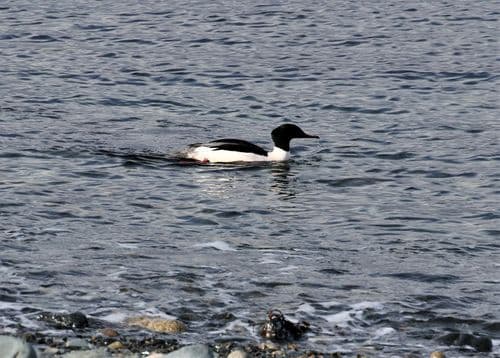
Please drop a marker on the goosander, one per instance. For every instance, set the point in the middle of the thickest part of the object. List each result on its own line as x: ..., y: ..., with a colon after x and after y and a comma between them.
x: 237, y: 150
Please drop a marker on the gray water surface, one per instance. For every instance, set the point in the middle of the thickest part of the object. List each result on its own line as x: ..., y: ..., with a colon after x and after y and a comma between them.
x: 384, y: 234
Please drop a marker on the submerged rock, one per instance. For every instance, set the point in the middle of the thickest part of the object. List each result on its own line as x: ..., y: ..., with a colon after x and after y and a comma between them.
x: 74, y: 320
x: 158, y: 324
x: 16, y: 347
x: 238, y: 353
x: 194, y: 351
x: 479, y: 343
x: 94, y: 353
x: 77, y: 343
x: 116, y: 345
x: 135, y: 345
x: 277, y: 327
x: 109, y: 332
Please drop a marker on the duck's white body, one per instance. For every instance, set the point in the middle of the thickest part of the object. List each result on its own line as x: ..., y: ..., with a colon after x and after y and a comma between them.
x: 237, y: 150
x: 213, y: 155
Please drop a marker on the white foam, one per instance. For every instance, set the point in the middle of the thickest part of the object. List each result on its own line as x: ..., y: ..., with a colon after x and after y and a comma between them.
x: 270, y: 261
x: 115, y: 317
x: 330, y: 304
x: 289, y: 268
x: 127, y: 245
x: 306, y: 307
x: 234, y: 326
x: 10, y: 306
x: 366, y: 305
x: 384, y: 331
x: 355, y: 312
x: 218, y: 245
x: 340, y: 319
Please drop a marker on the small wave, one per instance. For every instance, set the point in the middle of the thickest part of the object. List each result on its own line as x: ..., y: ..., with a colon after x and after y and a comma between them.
x: 43, y: 38
x: 352, y: 182
x: 218, y: 245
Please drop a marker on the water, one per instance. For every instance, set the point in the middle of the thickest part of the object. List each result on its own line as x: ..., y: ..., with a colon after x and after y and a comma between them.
x: 383, y: 234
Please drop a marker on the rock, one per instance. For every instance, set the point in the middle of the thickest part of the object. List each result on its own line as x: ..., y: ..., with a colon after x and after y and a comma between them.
x: 64, y: 320
x: 194, y: 351
x: 158, y: 324
x: 238, y: 353
x: 109, y: 332
x: 437, y: 354
x: 15, y: 347
x: 268, y: 346
x: 479, y: 343
x: 278, y: 328
x: 77, y: 343
x: 94, y: 353
x: 116, y: 345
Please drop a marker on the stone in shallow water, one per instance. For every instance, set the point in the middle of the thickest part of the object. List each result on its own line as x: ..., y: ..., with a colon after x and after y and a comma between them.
x: 158, y: 324
x: 94, y: 353
x: 109, y: 332
x: 77, y: 343
x: 15, y: 347
x: 194, y: 351
x: 278, y: 328
x: 64, y: 320
x: 479, y: 343
x: 238, y: 353
x: 116, y: 345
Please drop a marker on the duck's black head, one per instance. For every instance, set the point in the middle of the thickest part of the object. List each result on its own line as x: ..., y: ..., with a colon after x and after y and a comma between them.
x: 283, y: 134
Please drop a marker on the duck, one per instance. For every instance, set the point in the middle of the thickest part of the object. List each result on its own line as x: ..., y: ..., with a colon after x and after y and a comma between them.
x: 231, y: 150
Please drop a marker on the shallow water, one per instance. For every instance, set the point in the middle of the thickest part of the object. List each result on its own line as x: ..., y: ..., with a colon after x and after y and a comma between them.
x: 383, y: 234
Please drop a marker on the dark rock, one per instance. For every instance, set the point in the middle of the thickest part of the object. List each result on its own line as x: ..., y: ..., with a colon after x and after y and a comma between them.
x: 479, y: 343
x: 76, y: 320
x: 278, y: 328
x: 138, y: 345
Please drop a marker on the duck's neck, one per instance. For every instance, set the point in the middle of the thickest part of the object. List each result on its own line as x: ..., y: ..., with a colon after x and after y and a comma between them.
x: 278, y: 154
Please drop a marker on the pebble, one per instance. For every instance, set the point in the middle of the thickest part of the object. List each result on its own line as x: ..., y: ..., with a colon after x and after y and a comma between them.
x: 109, y: 332
x: 268, y: 346
x: 158, y: 324
x: 238, y: 353
x: 95, y: 353
x: 78, y: 343
x: 15, y: 347
x: 116, y: 345
x: 193, y: 351
x: 437, y: 354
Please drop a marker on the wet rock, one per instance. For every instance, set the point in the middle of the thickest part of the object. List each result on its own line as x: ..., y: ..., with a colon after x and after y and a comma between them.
x: 238, y: 353
x: 76, y: 320
x: 94, y: 353
x: 479, y: 343
x: 437, y: 354
x: 109, y: 332
x: 268, y: 346
x: 194, y: 351
x: 134, y: 345
x: 116, y: 345
x: 278, y: 328
x: 77, y: 343
x: 15, y: 347
x: 158, y: 324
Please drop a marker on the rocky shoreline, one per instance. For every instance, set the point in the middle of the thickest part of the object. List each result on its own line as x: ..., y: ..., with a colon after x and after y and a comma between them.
x: 90, y: 338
